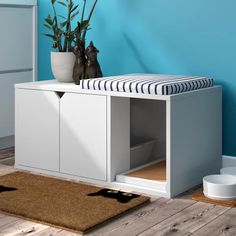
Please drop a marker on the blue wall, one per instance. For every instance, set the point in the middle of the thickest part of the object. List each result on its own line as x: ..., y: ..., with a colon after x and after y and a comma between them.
x: 164, y: 36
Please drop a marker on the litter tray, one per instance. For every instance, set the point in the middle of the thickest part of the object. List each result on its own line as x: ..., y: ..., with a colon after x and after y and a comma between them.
x: 220, y: 187
x: 140, y: 151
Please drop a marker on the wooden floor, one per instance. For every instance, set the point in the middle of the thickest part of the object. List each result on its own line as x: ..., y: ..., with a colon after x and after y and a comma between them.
x: 179, y: 216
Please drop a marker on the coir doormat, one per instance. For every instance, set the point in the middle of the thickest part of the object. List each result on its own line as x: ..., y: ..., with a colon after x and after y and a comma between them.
x: 199, y: 196
x: 68, y: 205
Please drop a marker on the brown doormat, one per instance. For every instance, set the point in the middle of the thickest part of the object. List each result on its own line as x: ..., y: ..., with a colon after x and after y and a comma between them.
x: 199, y: 196
x: 68, y: 205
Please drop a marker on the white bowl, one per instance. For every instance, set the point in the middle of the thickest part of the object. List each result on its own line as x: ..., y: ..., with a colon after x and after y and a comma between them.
x: 220, y: 187
x: 228, y: 171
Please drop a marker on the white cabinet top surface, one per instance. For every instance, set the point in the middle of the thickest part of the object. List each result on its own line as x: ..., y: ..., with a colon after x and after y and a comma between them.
x: 54, y: 85
x: 18, y: 2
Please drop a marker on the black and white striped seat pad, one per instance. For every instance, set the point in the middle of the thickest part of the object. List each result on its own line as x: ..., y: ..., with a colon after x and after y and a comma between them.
x: 148, y: 83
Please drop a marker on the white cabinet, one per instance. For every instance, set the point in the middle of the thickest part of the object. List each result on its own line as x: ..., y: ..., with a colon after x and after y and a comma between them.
x: 37, y: 129
x: 83, y: 135
x: 66, y: 134
x: 86, y: 135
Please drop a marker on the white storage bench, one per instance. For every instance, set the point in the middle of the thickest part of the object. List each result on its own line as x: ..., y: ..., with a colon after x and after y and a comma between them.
x: 86, y: 134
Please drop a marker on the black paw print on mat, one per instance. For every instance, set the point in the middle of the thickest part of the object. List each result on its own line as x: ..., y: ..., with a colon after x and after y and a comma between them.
x: 121, y: 197
x: 6, y: 189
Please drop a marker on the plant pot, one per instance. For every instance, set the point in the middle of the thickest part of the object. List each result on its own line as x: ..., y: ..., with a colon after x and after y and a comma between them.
x: 62, y: 64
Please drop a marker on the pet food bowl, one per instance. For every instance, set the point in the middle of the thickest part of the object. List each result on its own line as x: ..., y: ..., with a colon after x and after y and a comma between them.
x: 220, y: 187
x: 228, y: 171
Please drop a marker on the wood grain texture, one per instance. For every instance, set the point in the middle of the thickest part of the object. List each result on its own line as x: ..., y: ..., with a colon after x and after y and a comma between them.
x: 7, y: 156
x: 49, y: 231
x: 153, y: 172
x: 221, y: 226
x: 4, y: 170
x: 6, y: 220
x: 180, y: 216
x: 21, y: 227
x: 187, y: 221
x: 199, y: 196
x: 7, y: 153
x: 141, y: 221
x: 8, y: 161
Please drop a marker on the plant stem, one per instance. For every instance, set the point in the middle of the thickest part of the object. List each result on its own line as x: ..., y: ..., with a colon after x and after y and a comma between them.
x: 68, y: 28
x: 82, y: 16
x: 90, y: 15
x: 56, y: 25
x: 55, y: 14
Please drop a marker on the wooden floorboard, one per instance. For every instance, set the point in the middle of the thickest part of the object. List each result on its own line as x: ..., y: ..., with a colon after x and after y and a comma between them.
x: 145, y: 218
x: 179, y: 216
x: 21, y: 227
x: 224, y: 225
x: 7, y: 152
x: 188, y: 220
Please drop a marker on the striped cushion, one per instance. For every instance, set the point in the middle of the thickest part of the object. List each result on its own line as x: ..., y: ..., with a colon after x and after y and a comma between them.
x: 148, y: 83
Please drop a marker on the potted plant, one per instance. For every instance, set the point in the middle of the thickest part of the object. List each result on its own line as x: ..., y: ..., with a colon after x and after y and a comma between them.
x: 65, y: 37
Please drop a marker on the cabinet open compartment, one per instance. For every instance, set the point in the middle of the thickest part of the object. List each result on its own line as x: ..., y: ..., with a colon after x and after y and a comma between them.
x: 147, y: 150
x: 140, y: 151
x: 153, y: 171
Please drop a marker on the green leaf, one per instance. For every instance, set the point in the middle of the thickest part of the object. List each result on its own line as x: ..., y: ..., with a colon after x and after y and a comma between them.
x: 74, y: 15
x: 49, y: 20
x: 63, y: 24
x: 62, y: 3
x: 62, y: 17
x: 84, y: 24
x: 50, y: 36
x: 48, y: 26
x: 70, y: 34
x: 54, y: 45
x: 70, y: 5
x: 74, y: 8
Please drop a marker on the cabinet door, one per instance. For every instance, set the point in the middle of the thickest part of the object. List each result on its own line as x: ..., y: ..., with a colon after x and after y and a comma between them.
x: 83, y: 135
x: 37, y: 129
